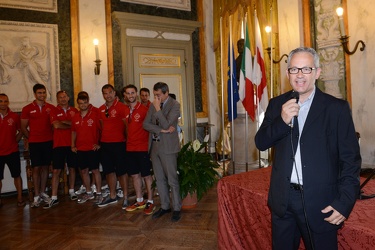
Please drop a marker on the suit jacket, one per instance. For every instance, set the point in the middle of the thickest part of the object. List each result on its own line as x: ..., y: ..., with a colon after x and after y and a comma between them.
x: 330, y: 158
x: 166, y: 117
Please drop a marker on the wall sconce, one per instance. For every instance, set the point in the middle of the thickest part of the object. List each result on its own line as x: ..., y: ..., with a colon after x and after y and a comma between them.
x: 268, y: 30
x: 97, y: 61
x: 344, y: 38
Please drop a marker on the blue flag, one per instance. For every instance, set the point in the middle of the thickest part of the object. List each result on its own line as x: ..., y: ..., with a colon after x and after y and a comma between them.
x: 232, y: 85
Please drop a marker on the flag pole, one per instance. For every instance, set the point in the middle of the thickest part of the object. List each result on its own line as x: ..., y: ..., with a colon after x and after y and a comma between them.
x: 271, y: 82
x: 271, y: 68
x: 246, y: 114
x: 231, y: 92
x: 222, y: 95
x: 258, y: 83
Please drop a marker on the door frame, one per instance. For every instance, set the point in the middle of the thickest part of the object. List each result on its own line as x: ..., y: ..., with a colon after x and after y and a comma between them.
x: 160, y: 32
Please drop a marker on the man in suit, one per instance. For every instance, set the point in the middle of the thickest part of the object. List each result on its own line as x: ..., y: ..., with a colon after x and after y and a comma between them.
x: 314, y: 181
x: 161, y: 121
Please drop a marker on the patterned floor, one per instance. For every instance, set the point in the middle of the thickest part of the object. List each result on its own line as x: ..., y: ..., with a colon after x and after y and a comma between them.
x: 84, y: 226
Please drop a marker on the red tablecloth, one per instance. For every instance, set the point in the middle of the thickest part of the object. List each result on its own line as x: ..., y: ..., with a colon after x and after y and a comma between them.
x: 245, y: 219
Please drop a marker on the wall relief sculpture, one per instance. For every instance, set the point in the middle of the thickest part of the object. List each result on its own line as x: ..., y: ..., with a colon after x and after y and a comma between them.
x: 29, y: 54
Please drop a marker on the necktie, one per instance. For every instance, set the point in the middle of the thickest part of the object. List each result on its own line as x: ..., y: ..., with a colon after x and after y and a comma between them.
x: 295, y: 133
x: 161, y: 105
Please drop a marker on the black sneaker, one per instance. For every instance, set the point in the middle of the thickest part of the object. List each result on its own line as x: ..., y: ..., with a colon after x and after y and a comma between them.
x: 51, y: 203
x: 176, y: 216
x: 107, y: 202
x: 160, y: 213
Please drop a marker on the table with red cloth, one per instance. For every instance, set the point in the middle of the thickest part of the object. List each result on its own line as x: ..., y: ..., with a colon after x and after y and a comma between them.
x: 245, y: 219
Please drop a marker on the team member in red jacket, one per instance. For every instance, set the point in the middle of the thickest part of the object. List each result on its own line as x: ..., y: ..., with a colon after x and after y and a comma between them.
x: 10, y: 134
x: 138, y: 159
x: 113, y: 127
x: 85, y: 142
x: 144, y: 94
x: 61, y: 119
x: 36, y: 127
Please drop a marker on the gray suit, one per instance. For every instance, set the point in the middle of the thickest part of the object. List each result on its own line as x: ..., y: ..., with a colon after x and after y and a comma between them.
x: 164, y: 151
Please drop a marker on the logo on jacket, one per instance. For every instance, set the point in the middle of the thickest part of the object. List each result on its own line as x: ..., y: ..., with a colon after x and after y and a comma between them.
x: 136, y: 117
x: 90, y: 122
x: 10, y: 121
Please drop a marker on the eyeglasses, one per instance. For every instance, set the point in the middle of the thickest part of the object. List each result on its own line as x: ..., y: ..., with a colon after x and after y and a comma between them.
x: 106, y: 113
x: 304, y: 70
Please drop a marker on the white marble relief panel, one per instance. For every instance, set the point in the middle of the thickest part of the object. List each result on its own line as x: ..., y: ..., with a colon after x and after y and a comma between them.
x: 329, y: 46
x: 171, y: 4
x: 29, y: 54
x: 38, y: 5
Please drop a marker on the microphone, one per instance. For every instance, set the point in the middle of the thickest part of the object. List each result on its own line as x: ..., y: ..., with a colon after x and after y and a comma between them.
x: 294, y: 95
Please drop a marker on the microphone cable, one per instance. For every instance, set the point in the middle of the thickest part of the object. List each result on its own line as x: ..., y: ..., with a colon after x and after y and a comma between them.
x: 301, y: 189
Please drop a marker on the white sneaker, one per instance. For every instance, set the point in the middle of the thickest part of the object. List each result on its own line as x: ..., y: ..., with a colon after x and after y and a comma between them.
x: 35, y: 203
x: 81, y: 190
x: 73, y: 196
x: 93, y: 189
x: 105, y: 186
x: 44, y: 197
x: 120, y: 193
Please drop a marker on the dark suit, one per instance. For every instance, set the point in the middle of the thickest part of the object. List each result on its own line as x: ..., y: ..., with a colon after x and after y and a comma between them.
x: 164, y: 151
x: 330, y: 158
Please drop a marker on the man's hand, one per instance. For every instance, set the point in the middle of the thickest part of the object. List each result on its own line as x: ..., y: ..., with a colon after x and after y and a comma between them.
x: 336, y: 218
x: 156, y: 102
x: 171, y: 129
x: 289, y: 110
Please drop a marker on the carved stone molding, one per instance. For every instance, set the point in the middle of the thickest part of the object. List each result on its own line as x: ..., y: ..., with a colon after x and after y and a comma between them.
x: 329, y: 48
x: 171, y: 4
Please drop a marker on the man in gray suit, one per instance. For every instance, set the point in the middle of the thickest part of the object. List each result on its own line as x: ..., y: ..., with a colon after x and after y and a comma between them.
x: 161, y: 122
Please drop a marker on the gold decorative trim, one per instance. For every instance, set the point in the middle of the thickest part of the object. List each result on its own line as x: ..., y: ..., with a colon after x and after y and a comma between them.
x: 108, y: 20
x: 76, y: 58
x: 152, y: 61
x: 202, y: 52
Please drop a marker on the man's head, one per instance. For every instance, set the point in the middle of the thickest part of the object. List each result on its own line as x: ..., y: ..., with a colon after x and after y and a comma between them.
x: 109, y: 93
x: 4, y: 102
x: 144, y: 94
x: 303, y: 70
x: 40, y: 92
x: 161, y: 91
x: 83, y: 94
x: 130, y: 92
x: 62, y: 98
x: 240, y: 45
x: 83, y: 100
